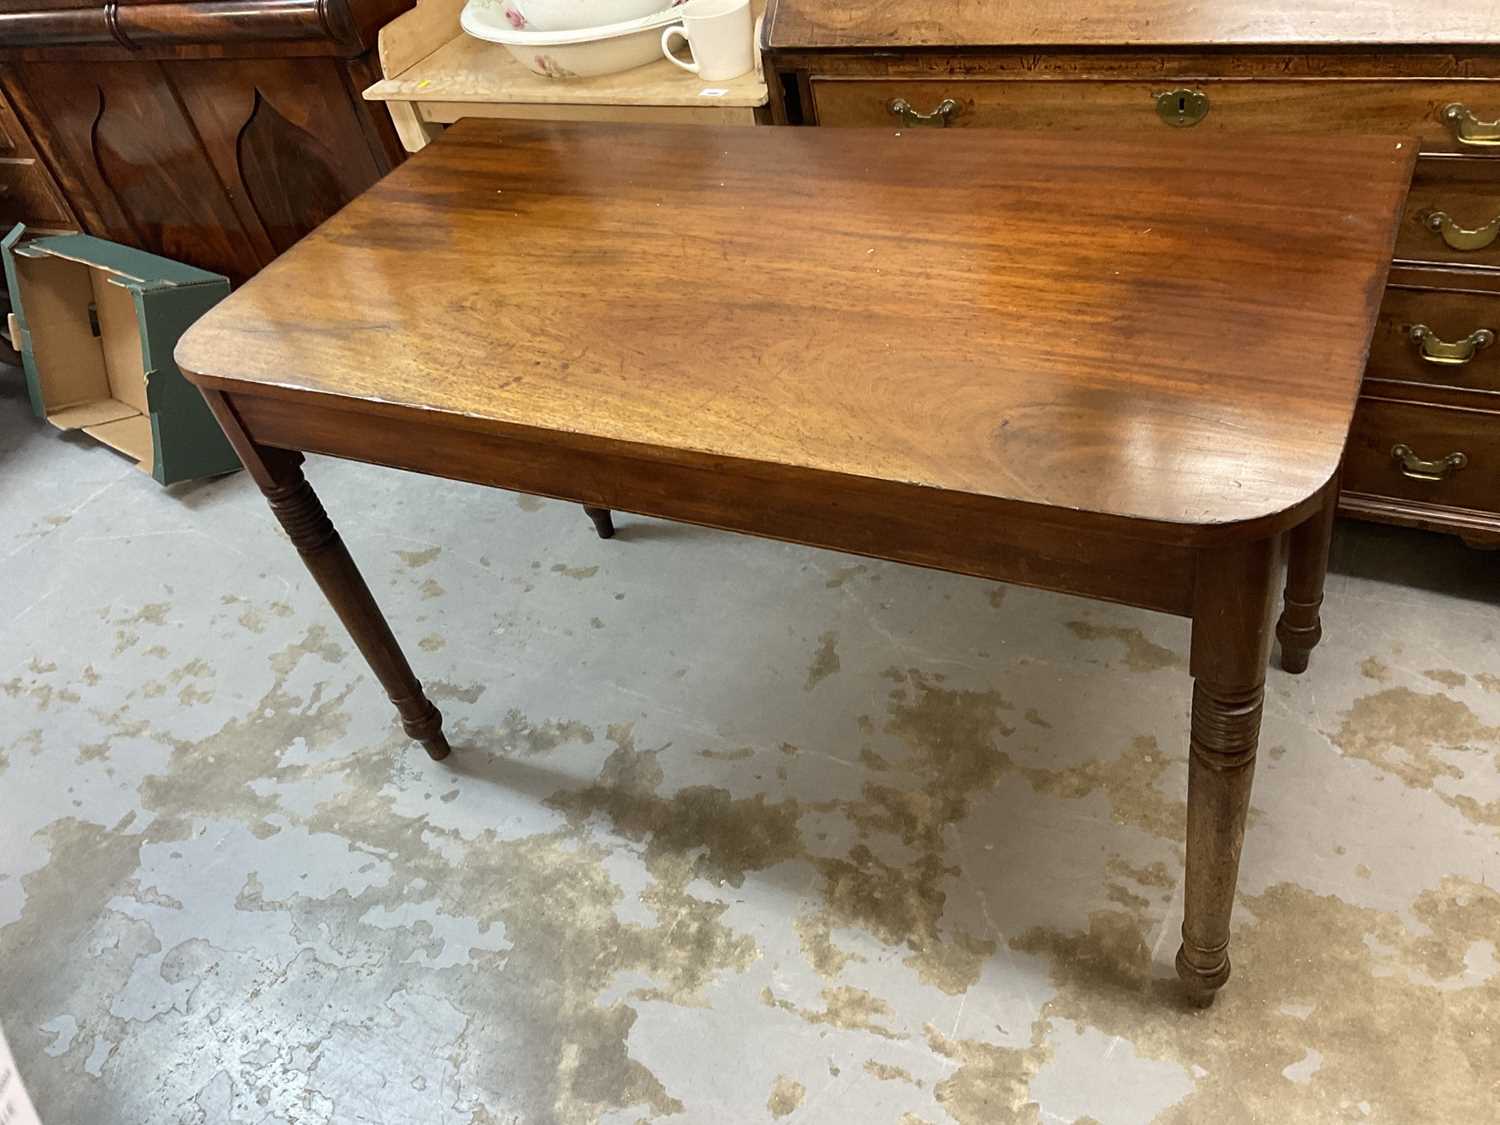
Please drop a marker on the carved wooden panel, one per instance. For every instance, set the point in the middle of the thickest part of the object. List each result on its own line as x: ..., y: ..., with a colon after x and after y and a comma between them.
x: 286, y: 135
x: 221, y: 163
x: 132, y: 163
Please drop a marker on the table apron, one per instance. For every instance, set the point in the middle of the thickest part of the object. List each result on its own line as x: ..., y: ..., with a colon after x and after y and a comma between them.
x: 948, y: 531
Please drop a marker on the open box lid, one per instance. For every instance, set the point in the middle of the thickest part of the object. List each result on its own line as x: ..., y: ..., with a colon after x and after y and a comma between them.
x: 135, y: 269
x: 96, y: 324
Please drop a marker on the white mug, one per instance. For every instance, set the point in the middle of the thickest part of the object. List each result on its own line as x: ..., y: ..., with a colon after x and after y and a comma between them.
x: 719, y: 34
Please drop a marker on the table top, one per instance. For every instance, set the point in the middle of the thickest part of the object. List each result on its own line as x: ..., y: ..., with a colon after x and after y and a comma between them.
x: 1213, y: 24
x: 1166, y: 329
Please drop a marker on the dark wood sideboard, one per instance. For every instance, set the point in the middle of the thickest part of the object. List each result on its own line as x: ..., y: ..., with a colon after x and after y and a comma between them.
x: 214, y: 132
x: 1425, y: 447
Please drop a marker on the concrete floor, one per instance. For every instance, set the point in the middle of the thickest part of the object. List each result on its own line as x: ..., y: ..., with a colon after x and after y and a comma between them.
x: 735, y: 831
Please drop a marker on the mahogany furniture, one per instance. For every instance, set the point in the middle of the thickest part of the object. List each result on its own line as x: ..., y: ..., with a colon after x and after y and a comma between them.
x: 1125, y: 370
x: 212, y: 132
x: 1425, y: 448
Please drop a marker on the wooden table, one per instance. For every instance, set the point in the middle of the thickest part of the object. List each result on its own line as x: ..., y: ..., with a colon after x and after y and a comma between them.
x: 1123, y: 369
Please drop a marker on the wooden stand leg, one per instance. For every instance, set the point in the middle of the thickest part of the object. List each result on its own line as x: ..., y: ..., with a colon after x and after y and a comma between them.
x: 1299, y: 629
x: 604, y: 523
x: 1231, y: 639
x: 278, y: 472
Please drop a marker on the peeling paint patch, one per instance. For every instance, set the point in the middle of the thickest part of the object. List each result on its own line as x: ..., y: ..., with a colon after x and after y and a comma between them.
x: 991, y: 1083
x: 439, y: 690
x: 786, y: 1096
x: 852, y: 1009
x: 1412, y: 735
x: 815, y: 933
x: 1131, y: 782
x: 888, y: 1072
x: 1152, y: 875
x: 1141, y: 653
x: 152, y: 613
x: 519, y: 735
x: 1446, y: 676
x: 728, y: 836
x: 842, y: 574
x: 738, y: 755
x: 825, y: 661
x: 414, y: 559
x: 1313, y: 967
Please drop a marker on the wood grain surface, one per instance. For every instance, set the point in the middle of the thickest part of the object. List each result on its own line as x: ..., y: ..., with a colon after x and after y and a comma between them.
x: 892, y: 24
x: 1163, y: 332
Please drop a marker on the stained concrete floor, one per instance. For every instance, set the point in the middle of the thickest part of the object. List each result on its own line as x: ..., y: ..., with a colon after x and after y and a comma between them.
x: 734, y: 832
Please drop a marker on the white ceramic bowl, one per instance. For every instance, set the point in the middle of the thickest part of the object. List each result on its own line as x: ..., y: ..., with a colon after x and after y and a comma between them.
x: 572, y: 15
x: 581, y: 53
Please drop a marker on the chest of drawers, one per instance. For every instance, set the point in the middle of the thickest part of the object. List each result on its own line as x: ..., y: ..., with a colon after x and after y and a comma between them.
x: 1425, y: 445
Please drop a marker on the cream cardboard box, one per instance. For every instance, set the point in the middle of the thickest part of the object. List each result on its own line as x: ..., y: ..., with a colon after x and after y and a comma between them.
x: 95, y: 323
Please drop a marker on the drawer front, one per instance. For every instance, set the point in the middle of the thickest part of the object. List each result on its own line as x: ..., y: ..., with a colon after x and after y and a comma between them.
x: 1395, y: 447
x: 1443, y: 338
x: 1304, y: 106
x: 1453, y: 214
x: 27, y: 195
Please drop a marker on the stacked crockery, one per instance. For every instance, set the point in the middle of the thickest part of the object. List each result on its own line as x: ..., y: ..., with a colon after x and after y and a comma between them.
x: 573, y: 38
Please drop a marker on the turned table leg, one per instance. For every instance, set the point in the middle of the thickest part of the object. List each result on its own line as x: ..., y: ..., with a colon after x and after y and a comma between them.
x: 1299, y: 628
x: 278, y: 472
x: 604, y: 524
x: 1232, y: 605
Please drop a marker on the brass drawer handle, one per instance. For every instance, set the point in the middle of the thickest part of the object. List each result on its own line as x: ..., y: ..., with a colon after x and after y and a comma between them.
x: 1463, y: 238
x: 1469, y: 129
x: 1413, y: 466
x: 946, y: 111
x: 1182, y: 107
x: 1439, y: 351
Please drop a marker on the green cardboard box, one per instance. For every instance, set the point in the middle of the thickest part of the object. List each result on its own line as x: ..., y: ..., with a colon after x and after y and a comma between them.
x: 95, y: 323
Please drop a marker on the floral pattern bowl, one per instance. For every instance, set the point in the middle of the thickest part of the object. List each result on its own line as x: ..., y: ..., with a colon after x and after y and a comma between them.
x: 573, y: 15
x: 575, y: 53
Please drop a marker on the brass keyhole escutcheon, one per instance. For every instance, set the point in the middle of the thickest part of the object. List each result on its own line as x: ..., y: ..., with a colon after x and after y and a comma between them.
x: 1182, y: 107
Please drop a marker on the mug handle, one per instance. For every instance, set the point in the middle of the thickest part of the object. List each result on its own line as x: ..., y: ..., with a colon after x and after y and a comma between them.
x: 666, y: 46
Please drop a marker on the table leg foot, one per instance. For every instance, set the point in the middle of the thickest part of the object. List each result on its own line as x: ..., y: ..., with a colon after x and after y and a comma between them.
x: 604, y: 523
x: 426, y: 728
x: 1201, y: 984
x: 1299, y: 630
x: 1232, y: 610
